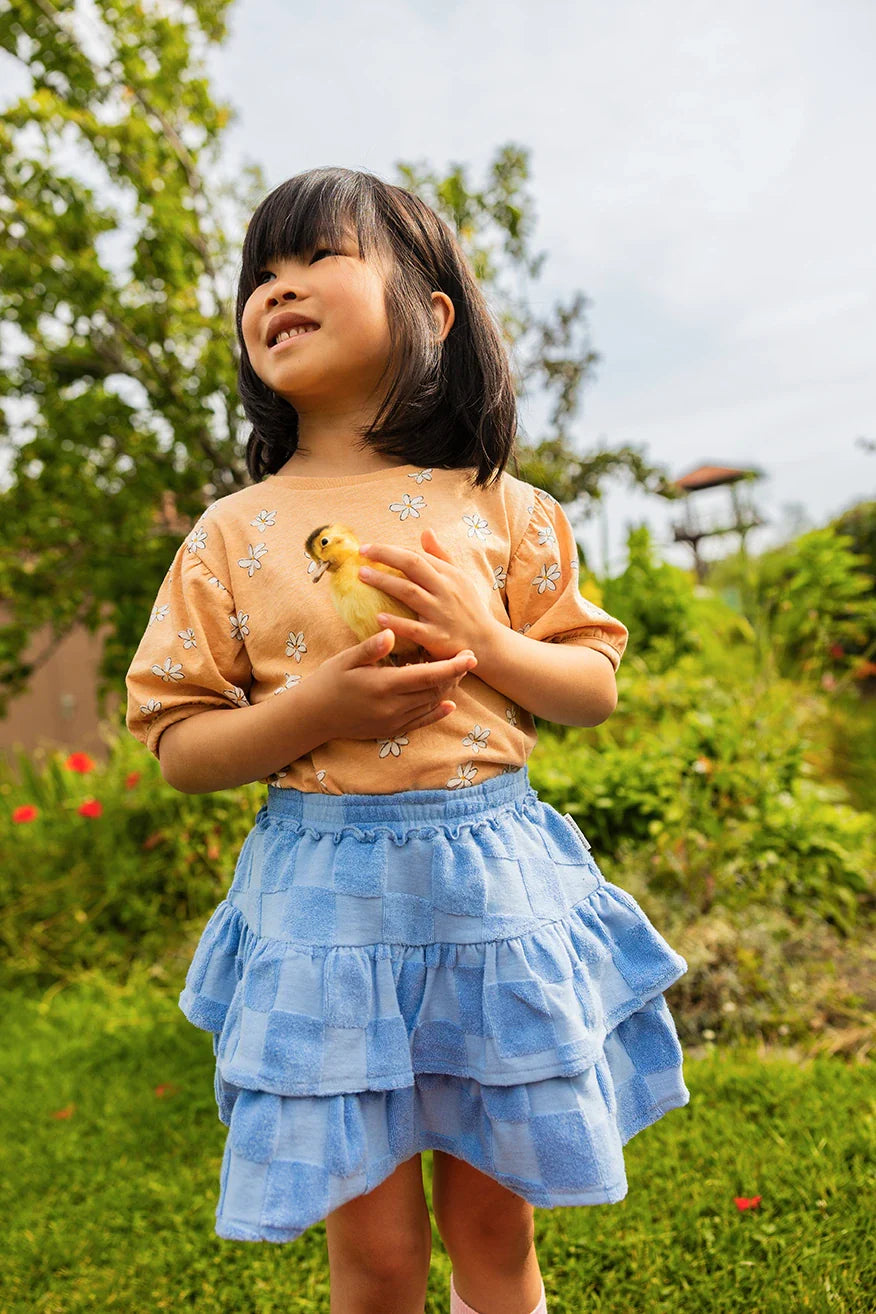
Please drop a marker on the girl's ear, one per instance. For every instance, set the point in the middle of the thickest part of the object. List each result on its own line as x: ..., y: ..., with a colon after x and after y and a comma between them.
x: 444, y: 312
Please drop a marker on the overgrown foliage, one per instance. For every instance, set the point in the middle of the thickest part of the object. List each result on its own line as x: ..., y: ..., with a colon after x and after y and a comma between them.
x: 715, y: 794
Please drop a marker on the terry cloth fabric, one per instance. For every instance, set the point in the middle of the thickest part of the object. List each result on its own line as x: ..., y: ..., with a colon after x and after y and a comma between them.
x: 434, y: 970
x: 238, y: 618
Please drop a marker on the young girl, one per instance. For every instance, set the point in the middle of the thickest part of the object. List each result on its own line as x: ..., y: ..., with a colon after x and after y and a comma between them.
x: 416, y: 952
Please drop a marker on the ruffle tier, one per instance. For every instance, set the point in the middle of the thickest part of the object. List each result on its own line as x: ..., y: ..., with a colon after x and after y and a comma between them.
x: 292, y: 1019
x: 289, y: 1161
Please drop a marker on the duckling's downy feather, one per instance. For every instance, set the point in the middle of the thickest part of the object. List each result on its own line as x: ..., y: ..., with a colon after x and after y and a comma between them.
x: 335, y: 549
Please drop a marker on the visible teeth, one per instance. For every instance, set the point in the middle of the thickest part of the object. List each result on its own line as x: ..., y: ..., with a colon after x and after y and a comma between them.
x: 293, y: 333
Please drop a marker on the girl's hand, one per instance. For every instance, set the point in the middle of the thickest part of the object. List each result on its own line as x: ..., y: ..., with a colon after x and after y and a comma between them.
x: 451, y: 614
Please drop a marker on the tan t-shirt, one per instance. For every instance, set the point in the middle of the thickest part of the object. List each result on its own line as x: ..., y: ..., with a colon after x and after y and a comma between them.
x: 238, y: 617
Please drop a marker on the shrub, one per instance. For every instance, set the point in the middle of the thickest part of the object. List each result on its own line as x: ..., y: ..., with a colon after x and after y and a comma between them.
x: 714, y: 784
x: 102, y: 863
x: 655, y: 601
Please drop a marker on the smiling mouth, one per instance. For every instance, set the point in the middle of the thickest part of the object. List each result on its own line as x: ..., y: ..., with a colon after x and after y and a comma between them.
x: 284, y: 342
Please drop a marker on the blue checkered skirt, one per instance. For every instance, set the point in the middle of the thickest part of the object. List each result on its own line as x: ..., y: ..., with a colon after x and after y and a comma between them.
x: 430, y: 969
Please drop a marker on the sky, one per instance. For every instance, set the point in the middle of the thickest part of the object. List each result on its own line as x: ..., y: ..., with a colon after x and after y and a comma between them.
x: 702, y: 172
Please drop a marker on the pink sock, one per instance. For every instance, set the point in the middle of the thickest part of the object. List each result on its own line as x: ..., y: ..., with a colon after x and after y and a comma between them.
x: 458, y: 1306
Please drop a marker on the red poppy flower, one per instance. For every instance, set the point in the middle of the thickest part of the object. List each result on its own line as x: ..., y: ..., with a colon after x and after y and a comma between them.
x: 91, y: 808
x: 746, y: 1202
x: 27, y: 812
x: 80, y: 762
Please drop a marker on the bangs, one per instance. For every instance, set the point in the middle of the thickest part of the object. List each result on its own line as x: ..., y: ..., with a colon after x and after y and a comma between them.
x: 313, y: 209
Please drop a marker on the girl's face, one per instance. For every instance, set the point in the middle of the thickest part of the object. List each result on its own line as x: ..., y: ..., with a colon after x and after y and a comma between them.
x: 339, y: 363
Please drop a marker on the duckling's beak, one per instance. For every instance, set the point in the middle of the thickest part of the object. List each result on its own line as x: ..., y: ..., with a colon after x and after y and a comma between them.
x: 320, y: 571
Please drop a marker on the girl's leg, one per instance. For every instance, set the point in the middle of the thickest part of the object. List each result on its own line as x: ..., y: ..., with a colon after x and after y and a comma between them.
x: 380, y: 1247
x: 488, y: 1232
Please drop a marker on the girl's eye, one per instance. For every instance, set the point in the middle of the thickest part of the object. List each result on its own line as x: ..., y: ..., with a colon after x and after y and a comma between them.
x: 322, y: 250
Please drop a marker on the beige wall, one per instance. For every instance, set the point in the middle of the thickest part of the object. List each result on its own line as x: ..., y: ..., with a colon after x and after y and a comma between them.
x: 59, y: 708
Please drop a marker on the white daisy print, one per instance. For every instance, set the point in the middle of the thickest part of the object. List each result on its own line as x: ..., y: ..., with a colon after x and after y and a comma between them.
x: 546, y: 535
x: 196, y: 540
x: 421, y: 475
x: 476, y: 739
x: 511, y: 713
x: 236, y: 695
x: 295, y: 645
x: 171, y: 670
x: 477, y: 526
x: 408, y: 506
x: 217, y: 583
x: 500, y: 577
x: 289, y: 682
x: 264, y: 520
x: 159, y: 613
x: 547, y: 576
x: 252, y: 562
x: 239, y: 627
x: 188, y: 638
x: 392, y: 746
x: 465, y: 775
x: 150, y: 708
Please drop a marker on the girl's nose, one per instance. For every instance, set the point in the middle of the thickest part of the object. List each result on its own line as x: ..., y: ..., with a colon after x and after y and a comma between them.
x: 279, y: 295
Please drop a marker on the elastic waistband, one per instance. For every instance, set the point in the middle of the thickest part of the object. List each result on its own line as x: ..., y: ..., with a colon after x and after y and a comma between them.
x: 468, y: 803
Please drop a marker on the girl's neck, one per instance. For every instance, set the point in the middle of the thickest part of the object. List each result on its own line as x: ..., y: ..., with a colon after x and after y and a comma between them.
x: 332, y: 449
x: 352, y: 463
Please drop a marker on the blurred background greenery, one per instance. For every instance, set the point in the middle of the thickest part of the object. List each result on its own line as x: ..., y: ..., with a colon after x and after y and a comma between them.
x: 731, y: 793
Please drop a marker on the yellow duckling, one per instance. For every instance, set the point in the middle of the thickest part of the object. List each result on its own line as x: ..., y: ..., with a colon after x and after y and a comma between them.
x: 335, y: 548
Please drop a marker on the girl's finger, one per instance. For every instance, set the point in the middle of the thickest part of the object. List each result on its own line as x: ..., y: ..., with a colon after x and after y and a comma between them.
x: 433, y: 546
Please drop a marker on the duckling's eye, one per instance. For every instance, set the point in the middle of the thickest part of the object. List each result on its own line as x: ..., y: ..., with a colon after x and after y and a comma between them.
x: 323, y: 542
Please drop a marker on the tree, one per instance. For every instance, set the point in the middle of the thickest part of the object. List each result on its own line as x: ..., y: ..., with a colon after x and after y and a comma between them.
x: 126, y: 374
x: 494, y: 225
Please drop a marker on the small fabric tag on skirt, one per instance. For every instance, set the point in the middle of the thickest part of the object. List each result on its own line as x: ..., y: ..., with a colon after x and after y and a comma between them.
x: 567, y: 816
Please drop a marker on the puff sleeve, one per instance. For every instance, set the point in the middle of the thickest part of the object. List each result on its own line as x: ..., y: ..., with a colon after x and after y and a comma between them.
x: 192, y: 656
x: 541, y: 587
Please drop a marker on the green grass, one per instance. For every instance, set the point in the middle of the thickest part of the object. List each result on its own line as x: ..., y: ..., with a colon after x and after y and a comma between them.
x: 112, y: 1207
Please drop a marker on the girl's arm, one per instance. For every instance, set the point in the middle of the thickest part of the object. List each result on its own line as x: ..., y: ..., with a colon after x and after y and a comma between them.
x: 559, y: 682
x: 220, y: 749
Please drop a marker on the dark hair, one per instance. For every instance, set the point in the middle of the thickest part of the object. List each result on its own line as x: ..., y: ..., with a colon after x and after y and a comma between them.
x: 450, y: 404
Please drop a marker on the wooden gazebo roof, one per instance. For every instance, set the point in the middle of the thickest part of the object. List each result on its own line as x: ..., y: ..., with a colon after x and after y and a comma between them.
x: 712, y: 476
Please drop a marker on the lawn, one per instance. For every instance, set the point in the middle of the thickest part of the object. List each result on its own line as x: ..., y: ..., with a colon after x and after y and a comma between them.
x: 112, y: 1152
